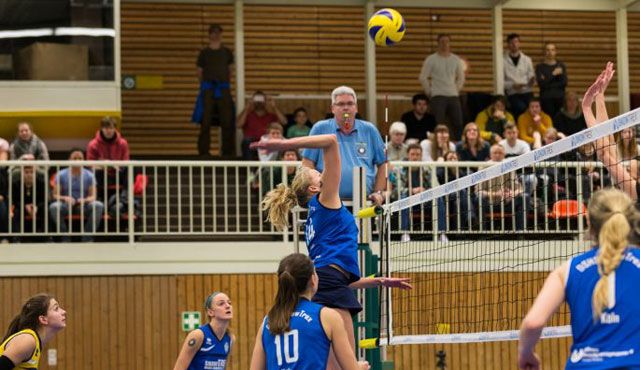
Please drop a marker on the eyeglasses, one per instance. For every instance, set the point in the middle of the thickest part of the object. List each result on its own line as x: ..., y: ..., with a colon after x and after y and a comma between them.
x: 345, y: 104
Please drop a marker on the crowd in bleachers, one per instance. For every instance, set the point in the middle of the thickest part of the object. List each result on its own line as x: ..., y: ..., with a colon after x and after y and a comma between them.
x: 67, y: 194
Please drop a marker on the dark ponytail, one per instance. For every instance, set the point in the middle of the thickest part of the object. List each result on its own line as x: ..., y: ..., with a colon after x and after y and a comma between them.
x: 294, y: 274
x: 29, y: 315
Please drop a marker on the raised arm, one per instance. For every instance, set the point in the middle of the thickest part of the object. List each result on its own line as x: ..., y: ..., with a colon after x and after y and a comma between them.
x: 331, y: 157
x: 606, y: 147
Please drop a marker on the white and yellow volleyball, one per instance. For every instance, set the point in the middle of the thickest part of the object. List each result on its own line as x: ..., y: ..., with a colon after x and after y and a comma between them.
x: 386, y: 27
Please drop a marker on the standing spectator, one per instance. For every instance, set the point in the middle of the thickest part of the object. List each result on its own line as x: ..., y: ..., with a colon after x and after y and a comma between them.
x: 442, y: 78
x: 108, y: 145
x: 491, y: 121
x: 28, y: 197
x: 511, y: 144
x: 273, y: 133
x: 301, y: 126
x: 255, y: 119
x: 503, y: 191
x: 533, y: 120
x: 360, y: 145
x: 396, y: 148
x: 434, y: 149
x: 28, y: 143
x: 569, y: 120
x: 420, y: 123
x: 518, y: 76
x: 214, y: 100
x: 472, y: 147
x: 551, y: 76
x: 74, y: 191
x: 4, y: 178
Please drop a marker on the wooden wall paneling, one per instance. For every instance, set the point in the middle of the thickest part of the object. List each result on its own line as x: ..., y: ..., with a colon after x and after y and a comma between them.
x: 633, y: 23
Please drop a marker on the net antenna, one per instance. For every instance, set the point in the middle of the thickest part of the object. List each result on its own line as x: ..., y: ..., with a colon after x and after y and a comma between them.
x: 527, y: 219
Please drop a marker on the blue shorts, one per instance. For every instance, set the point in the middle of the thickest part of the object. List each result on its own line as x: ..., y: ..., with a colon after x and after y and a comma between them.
x: 333, y: 290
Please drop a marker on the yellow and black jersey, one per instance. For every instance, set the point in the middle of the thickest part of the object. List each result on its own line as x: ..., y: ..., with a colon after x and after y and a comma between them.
x: 33, y: 362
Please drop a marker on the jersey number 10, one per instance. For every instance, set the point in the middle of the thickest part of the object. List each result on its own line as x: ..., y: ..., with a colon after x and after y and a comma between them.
x: 289, y: 355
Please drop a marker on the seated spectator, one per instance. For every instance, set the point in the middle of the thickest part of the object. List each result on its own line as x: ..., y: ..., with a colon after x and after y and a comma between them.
x: 414, y: 180
x: 4, y: 186
x: 270, y: 177
x: 551, y: 135
x: 301, y: 126
x: 108, y: 145
x: 626, y: 144
x: 434, y: 148
x: 273, y: 133
x: 492, y: 120
x: 593, y: 178
x: 74, y: 191
x: 254, y: 120
x: 569, y: 120
x: 533, y: 120
x: 28, y: 143
x: 459, y: 204
x: 472, y: 147
x: 396, y: 148
x: 28, y: 197
x: 511, y: 144
x: 420, y: 123
x: 503, y: 191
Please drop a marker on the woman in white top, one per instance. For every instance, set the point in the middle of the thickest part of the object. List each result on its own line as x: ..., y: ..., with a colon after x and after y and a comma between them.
x: 435, y: 147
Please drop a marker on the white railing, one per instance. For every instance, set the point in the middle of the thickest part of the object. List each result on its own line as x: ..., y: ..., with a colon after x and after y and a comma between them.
x: 160, y: 200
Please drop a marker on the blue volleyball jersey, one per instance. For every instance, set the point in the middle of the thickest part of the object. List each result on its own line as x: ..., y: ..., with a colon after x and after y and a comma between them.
x: 613, y: 341
x: 332, y: 237
x: 213, y: 353
x: 304, y: 347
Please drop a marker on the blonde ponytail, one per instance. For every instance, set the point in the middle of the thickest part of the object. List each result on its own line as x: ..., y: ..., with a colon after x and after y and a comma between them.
x: 279, y: 201
x: 610, y: 213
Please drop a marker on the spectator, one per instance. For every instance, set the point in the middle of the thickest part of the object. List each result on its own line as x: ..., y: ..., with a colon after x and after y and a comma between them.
x: 28, y: 143
x: 271, y: 176
x: 503, y: 191
x: 255, y: 119
x: 28, y: 197
x: 551, y: 76
x: 301, y: 126
x: 108, y: 145
x: 518, y: 76
x: 420, y: 123
x: 74, y: 191
x: 459, y: 205
x: 492, y: 120
x: 569, y: 120
x: 434, y: 148
x: 360, y: 145
x: 511, y: 144
x: 551, y: 135
x: 396, y: 148
x: 472, y: 147
x: 533, y: 120
x: 214, y: 100
x: 273, y: 133
x: 442, y: 78
x: 4, y: 178
x: 414, y: 180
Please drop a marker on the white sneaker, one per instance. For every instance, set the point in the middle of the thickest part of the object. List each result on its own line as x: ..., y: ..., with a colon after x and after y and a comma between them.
x: 405, y: 238
x: 443, y: 238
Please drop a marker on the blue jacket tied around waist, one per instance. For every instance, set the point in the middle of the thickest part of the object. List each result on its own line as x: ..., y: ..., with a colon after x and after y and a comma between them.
x: 216, y: 87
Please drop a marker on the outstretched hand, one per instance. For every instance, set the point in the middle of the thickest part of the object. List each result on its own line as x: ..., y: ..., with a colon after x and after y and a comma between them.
x: 402, y: 283
x: 599, y: 86
x: 271, y: 145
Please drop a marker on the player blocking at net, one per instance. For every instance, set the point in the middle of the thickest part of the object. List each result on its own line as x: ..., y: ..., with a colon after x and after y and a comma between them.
x: 598, y: 285
x: 331, y: 232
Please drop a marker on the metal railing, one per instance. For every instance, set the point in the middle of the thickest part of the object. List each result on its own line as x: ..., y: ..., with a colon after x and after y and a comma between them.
x: 169, y: 199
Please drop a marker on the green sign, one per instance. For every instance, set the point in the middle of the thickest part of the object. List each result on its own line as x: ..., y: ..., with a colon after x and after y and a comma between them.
x: 190, y: 320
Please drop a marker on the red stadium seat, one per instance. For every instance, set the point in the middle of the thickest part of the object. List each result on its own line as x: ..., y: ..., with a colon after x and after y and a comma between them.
x: 567, y: 209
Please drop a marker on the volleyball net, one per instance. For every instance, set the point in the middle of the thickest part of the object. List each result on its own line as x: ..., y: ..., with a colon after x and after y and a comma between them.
x: 478, y: 284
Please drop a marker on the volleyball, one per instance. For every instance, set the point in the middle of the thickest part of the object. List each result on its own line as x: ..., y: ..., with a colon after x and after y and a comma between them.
x: 386, y: 27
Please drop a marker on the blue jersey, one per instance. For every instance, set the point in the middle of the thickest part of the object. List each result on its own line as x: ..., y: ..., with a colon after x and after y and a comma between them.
x: 304, y: 347
x: 613, y: 342
x: 213, y: 352
x: 332, y: 237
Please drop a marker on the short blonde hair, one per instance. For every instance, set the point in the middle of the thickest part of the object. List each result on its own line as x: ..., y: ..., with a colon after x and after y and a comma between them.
x: 398, y: 127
